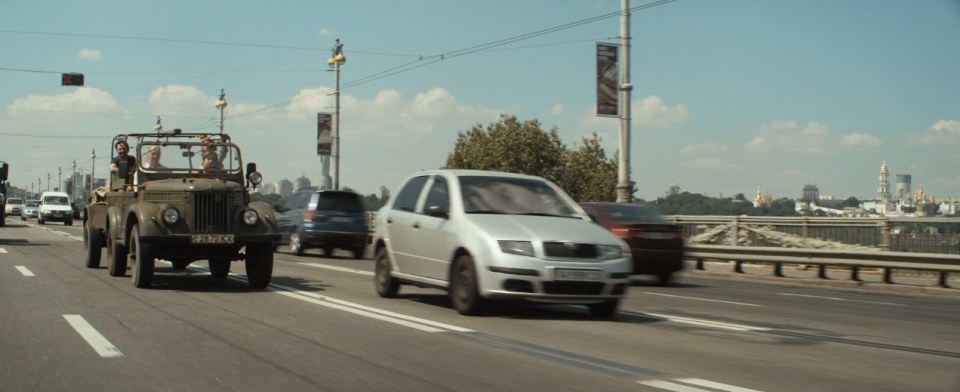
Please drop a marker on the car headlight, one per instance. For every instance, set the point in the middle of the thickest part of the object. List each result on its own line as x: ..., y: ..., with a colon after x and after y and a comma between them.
x: 250, y: 217
x: 255, y: 178
x: 170, y: 215
x: 523, y: 248
x: 608, y: 252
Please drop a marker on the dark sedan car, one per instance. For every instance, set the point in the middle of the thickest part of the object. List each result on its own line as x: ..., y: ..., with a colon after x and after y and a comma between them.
x: 657, y: 245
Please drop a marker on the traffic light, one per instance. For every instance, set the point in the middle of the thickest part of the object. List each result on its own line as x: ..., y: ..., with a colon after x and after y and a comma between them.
x: 71, y: 79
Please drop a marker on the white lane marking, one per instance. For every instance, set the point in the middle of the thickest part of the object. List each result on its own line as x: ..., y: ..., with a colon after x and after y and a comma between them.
x: 23, y: 270
x: 660, y: 384
x: 335, y: 268
x: 715, y: 385
x: 703, y: 299
x: 368, y: 311
x: 701, y: 322
x: 75, y: 237
x: 63, y: 233
x: 93, y: 338
x: 3, y: 250
x: 841, y: 299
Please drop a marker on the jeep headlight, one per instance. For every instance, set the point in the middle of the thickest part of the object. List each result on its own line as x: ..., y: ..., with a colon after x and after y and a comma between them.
x: 250, y: 217
x: 255, y: 178
x: 608, y: 252
x: 170, y: 215
x: 523, y: 248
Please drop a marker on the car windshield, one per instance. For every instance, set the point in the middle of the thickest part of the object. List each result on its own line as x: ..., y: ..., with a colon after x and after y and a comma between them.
x: 507, y: 195
x: 33, y: 203
x: 339, y: 202
x: 13, y: 200
x: 56, y: 200
x: 184, y: 156
x: 625, y: 213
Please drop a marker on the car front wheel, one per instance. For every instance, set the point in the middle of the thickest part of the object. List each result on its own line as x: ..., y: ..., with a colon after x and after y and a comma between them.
x: 464, y: 291
x: 142, y: 258
x: 259, y: 263
x: 116, y: 257
x: 93, y: 240
x: 387, y: 286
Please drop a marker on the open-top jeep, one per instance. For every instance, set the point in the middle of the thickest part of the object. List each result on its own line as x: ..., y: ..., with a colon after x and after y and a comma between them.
x: 192, y: 202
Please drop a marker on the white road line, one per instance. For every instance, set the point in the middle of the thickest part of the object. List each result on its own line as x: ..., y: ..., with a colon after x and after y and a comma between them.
x: 75, y: 237
x: 23, y: 270
x: 660, y: 384
x: 841, y: 299
x: 715, y: 385
x: 335, y: 268
x: 700, y: 322
x: 93, y: 338
x: 3, y: 250
x: 703, y: 299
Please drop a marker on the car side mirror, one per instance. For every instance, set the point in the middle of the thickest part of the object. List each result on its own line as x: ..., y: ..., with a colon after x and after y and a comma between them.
x: 439, y: 211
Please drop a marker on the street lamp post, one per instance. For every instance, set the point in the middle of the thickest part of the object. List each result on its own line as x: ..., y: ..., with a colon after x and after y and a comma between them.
x: 93, y: 165
x: 48, y: 181
x: 335, y: 61
x: 222, y: 103
x: 59, y: 177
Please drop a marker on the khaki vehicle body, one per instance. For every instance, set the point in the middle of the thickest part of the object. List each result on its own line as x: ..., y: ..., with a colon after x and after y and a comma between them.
x: 181, y: 213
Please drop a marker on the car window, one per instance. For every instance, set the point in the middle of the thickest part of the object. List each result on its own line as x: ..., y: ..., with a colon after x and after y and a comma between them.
x: 339, y: 201
x: 13, y: 200
x: 56, y: 200
x: 632, y: 213
x: 438, y: 195
x: 407, y: 198
x: 33, y: 203
x: 506, y: 195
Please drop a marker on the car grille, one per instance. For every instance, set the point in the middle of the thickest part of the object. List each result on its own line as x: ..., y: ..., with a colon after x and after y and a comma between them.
x: 573, y: 288
x: 570, y: 250
x: 163, y: 197
x: 211, y: 212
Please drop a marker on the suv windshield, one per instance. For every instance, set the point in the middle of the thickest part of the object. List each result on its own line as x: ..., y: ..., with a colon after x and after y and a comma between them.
x: 507, y: 195
x: 33, y: 203
x: 339, y: 201
x: 188, y: 156
x: 14, y: 200
x: 56, y: 200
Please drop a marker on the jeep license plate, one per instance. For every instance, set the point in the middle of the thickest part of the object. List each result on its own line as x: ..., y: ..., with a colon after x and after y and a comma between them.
x: 211, y: 238
x: 576, y: 274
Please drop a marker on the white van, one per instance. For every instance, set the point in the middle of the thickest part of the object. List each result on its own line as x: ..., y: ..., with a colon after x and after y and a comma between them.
x: 55, y: 206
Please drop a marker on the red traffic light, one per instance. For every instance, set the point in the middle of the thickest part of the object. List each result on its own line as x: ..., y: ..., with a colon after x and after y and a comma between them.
x: 71, y: 79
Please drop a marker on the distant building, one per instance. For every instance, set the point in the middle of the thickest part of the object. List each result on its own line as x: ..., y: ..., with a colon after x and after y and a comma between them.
x: 284, y: 188
x: 883, y: 187
x: 674, y: 189
x: 382, y: 193
x: 301, y: 183
x: 903, y: 186
x: 762, y: 199
x: 810, y: 194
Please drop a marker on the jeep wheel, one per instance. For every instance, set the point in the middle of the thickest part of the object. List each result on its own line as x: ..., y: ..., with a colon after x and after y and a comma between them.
x: 358, y: 252
x: 296, y: 247
x: 464, y: 291
x: 68, y: 223
x: 116, y: 257
x: 180, y: 264
x: 327, y: 251
x: 259, y: 263
x: 387, y: 286
x: 93, y: 242
x: 219, y: 268
x: 142, y: 259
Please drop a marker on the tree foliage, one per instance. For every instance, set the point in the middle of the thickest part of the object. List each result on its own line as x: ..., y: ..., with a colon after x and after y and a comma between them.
x: 686, y: 203
x: 515, y: 146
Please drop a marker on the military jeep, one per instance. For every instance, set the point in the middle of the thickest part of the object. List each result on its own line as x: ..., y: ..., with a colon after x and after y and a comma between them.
x: 181, y: 208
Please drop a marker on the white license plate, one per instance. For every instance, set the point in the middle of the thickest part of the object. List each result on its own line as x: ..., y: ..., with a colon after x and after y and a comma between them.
x: 211, y: 238
x: 577, y: 274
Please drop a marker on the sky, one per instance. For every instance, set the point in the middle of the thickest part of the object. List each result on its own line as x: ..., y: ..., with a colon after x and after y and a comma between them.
x: 729, y: 96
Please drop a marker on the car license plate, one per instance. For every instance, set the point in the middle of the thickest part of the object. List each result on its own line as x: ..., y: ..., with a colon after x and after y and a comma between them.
x: 211, y: 238
x: 576, y: 274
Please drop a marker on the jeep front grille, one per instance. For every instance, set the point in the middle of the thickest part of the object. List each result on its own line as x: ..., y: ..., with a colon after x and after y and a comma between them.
x: 211, y: 212
x: 570, y: 250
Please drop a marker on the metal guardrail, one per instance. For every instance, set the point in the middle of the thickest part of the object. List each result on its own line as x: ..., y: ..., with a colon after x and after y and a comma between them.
x: 943, y: 264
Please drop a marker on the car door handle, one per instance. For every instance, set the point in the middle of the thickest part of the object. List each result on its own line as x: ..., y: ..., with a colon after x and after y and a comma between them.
x: 416, y: 225
x: 389, y: 220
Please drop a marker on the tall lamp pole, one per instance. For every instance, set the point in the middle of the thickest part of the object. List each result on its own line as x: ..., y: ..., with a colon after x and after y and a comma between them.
x: 93, y: 165
x: 59, y: 177
x: 222, y: 103
x: 48, y: 181
x: 335, y: 62
x: 73, y: 181
x: 624, y: 185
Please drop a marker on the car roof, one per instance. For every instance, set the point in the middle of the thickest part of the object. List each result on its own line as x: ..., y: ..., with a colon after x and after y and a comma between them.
x: 471, y: 172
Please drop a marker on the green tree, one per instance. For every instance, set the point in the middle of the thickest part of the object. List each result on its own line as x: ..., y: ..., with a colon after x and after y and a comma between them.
x: 851, y: 202
x: 589, y: 175
x: 372, y: 203
x: 511, y: 146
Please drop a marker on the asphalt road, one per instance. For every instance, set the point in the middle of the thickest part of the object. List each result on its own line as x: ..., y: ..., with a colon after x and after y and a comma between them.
x: 320, y: 326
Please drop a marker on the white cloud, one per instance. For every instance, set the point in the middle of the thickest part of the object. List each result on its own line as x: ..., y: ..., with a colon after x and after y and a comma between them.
x: 557, y: 109
x: 65, y: 106
x: 791, y: 137
x: 325, y: 32
x: 649, y: 112
x: 89, y: 54
x: 704, y: 149
x: 944, y: 131
x: 860, y: 140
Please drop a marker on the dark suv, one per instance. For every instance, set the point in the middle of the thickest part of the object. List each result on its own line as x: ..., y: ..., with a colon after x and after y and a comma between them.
x: 311, y: 218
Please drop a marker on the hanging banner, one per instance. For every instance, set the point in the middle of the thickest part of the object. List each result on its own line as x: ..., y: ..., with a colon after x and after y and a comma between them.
x: 608, y: 80
x: 324, y: 135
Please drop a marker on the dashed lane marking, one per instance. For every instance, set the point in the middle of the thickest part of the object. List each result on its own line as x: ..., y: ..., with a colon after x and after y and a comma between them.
x: 23, y: 270
x: 678, y: 385
x: 702, y: 299
x: 93, y: 338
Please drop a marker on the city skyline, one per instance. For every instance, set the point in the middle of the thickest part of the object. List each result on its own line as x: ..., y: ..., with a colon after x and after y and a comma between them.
x: 728, y: 96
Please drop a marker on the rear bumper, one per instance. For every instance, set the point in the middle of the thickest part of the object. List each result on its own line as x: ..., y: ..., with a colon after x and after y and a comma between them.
x: 656, y: 262
x: 184, y: 240
x: 337, y: 239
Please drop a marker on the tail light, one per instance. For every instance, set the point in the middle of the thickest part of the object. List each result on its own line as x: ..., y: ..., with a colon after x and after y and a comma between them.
x: 308, y: 215
x: 621, y: 232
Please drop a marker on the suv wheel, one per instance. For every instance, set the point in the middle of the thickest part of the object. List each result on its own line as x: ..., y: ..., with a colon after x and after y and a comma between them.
x: 387, y: 286
x: 464, y: 293
x: 92, y: 242
x: 358, y: 252
x: 296, y: 247
x: 141, y: 256
x: 259, y: 263
x: 606, y: 309
x: 116, y: 257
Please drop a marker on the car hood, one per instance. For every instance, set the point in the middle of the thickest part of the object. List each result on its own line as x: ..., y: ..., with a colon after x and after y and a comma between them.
x: 57, y: 207
x: 191, y: 184
x: 541, y: 228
